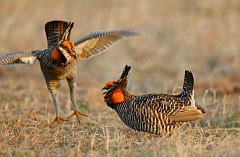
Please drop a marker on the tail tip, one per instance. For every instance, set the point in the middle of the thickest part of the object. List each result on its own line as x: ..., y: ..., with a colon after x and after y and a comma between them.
x: 188, y: 83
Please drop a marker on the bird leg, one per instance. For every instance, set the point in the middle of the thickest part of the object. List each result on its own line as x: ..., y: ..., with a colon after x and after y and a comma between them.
x: 52, y: 86
x: 72, y: 85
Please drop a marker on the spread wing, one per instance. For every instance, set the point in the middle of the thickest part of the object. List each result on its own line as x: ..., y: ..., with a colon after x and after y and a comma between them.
x: 24, y: 57
x: 55, y: 30
x: 99, y: 41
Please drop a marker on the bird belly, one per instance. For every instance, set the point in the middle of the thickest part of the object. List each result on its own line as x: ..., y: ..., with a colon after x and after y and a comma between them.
x: 146, y: 121
x: 57, y: 73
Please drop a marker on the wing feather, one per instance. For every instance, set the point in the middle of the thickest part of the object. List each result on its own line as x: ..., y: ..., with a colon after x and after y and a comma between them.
x: 100, y: 41
x: 188, y: 113
x: 24, y: 57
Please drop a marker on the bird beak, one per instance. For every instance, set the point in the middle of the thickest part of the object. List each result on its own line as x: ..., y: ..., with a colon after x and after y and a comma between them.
x: 108, y: 88
x: 105, y: 88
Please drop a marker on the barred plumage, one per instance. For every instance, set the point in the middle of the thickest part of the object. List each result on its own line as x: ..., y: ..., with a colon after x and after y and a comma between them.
x: 57, y: 62
x: 55, y: 30
x: 19, y: 57
x: 155, y: 113
x: 100, y: 41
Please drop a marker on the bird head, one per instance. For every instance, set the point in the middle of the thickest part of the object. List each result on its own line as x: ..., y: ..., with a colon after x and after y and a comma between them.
x: 63, y: 53
x: 116, y: 90
x: 67, y: 47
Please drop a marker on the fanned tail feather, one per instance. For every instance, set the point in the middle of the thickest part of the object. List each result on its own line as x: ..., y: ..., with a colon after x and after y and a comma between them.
x: 188, y: 84
x: 55, y: 30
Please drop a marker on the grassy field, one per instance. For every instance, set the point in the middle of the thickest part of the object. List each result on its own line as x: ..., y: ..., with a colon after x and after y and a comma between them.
x: 202, y: 36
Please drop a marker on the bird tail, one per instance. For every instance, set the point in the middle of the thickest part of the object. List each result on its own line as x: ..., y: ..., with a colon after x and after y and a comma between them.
x: 188, y: 84
x: 57, y: 30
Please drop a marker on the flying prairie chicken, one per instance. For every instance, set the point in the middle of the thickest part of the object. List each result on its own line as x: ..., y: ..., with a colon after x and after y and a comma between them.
x: 155, y: 113
x: 58, y: 60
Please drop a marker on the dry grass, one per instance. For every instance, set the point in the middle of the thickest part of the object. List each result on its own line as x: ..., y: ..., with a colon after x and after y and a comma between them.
x: 202, y: 36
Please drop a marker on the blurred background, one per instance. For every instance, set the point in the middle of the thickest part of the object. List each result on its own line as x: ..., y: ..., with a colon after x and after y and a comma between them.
x: 201, y: 36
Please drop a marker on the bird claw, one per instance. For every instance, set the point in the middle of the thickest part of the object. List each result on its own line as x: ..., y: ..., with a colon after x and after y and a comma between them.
x: 58, y: 120
x: 77, y: 113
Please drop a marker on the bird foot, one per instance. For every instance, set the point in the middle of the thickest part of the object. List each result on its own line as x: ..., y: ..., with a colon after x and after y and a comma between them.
x: 58, y: 120
x: 77, y: 113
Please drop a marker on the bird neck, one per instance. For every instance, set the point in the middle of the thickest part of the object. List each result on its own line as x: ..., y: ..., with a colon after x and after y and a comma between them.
x: 116, y: 97
x: 57, y: 57
x: 60, y: 57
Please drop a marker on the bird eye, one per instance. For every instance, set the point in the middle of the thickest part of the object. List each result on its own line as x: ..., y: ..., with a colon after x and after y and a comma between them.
x: 63, y: 46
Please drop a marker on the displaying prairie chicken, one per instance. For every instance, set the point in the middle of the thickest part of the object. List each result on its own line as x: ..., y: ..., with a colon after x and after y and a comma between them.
x: 58, y: 60
x: 155, y: 113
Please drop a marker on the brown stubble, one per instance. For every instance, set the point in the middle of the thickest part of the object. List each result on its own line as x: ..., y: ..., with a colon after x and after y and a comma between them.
x: 201, y: 36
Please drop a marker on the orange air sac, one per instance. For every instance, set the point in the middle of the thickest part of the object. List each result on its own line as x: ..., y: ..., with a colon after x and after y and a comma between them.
x: 117, y: 96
